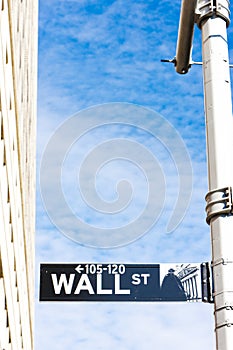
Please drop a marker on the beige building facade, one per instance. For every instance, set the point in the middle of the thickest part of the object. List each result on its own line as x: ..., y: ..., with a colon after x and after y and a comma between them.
x: 18, y: 90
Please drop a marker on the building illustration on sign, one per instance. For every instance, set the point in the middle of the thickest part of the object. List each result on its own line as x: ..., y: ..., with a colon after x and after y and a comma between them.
x: 182, y: 281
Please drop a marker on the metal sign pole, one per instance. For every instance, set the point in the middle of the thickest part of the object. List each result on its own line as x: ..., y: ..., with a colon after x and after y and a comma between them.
x: 213, y: 18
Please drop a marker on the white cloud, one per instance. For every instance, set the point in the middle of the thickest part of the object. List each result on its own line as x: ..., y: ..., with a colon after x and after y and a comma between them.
x: 126, y: 326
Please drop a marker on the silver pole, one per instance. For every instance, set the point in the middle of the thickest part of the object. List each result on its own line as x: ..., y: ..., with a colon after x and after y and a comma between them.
x: 185, y: 36
x: 213, y: 20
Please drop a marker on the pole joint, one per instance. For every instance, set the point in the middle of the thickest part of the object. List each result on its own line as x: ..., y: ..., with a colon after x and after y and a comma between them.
x: 219, y: 202
x: 212, y: 8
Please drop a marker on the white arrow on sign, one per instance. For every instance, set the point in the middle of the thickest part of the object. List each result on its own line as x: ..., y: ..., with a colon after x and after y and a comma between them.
x: 79, y: 268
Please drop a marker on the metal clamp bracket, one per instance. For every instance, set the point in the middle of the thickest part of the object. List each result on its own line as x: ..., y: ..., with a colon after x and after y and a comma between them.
x: 207, y: 283
x: 221, y: 261
x: 224, y: 316
x: 219, y: 202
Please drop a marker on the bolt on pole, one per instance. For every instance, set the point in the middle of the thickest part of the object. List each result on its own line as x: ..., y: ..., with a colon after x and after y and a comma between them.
x: 212, y: 17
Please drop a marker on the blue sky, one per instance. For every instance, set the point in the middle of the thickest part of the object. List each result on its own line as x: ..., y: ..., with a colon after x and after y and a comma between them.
x: 96, y: 53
